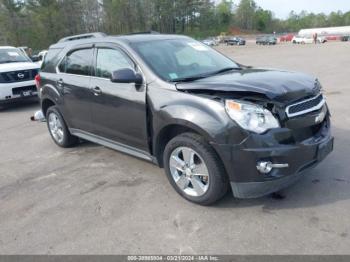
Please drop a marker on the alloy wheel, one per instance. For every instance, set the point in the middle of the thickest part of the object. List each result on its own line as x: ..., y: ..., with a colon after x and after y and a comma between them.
x: 189, y: 171
x: 56, y: 127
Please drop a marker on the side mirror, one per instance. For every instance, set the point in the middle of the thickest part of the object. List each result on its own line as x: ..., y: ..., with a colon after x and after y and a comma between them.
x: 126, y: 75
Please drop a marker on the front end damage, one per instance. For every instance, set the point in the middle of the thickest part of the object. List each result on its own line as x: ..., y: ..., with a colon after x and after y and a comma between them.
x: 265, y: 163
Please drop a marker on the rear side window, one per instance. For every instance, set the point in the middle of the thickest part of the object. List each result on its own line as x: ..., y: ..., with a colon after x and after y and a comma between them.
x: 110, y: 60
x: 78, y: 62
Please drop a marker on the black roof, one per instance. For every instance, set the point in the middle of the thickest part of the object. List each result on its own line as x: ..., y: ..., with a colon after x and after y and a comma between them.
x: 131, y: 38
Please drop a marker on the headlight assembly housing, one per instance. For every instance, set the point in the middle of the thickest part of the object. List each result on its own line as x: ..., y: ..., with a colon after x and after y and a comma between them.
x: 251, y: 117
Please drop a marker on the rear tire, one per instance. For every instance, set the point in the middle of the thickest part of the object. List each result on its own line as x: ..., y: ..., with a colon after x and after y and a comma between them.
x: 58, y: 128
x: 203, y: 189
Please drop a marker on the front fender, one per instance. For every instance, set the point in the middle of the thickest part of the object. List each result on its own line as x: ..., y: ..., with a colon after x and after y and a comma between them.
x: 204, y: 115
x: 194, y: 116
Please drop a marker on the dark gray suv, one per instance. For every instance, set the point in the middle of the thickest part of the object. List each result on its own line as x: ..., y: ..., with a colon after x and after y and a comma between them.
x: 212, y: 123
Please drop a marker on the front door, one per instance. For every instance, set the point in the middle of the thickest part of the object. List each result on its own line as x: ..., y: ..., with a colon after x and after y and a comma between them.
x: 119, y: 109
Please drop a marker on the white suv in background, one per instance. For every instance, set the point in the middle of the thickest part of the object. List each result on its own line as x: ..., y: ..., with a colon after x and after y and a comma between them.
x: 17, y: 73
x: 302, y: 40
x: 308, y: 40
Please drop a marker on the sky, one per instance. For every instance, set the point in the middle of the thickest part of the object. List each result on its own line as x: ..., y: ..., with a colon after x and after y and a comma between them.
x: 281, y: 8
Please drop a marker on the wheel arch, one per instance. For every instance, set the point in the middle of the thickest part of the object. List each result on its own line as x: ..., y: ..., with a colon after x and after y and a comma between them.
x: 46, y: 104
x: 49, y: 97
x: 170, y: 131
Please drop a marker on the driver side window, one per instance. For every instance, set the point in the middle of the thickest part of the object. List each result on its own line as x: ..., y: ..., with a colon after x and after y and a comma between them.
x: 110, y: 60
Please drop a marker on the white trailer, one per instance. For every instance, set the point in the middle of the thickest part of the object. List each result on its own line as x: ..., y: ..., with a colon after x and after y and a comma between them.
x: 341, y: 30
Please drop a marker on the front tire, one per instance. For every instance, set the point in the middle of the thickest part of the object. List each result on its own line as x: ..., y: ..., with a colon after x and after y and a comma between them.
x: 194, y: 169
x: 58, y: 128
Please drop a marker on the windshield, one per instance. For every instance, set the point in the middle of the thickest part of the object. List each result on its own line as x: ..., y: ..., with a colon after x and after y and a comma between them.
x: 12, y: 55
x: 178, y: 59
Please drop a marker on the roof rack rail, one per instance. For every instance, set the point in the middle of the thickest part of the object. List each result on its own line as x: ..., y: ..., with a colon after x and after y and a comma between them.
x: 146, y: 32
x: 82, y: 36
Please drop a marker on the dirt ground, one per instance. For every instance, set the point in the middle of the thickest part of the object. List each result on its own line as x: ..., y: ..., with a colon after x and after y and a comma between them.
x: 90, y: 199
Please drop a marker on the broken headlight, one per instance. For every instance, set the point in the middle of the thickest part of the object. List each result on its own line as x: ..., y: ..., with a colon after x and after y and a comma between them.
x: 250, y: 116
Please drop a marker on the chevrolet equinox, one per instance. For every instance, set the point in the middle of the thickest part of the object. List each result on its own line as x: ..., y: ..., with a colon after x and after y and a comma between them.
x: 213, y: 124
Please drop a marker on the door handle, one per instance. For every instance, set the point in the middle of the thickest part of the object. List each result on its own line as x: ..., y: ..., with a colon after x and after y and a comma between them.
x: 60, y: 83
x: 96, y: 90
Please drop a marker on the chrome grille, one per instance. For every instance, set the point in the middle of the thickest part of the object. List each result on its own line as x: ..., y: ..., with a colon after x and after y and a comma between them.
x: 18, y: 76
x: 306, y: 106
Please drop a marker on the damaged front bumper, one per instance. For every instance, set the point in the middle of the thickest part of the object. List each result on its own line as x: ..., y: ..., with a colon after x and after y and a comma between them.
x: 291, y: 159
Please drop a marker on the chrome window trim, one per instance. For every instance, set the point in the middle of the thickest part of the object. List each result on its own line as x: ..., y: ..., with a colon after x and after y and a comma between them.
x: 137, y: 67
x: 317, y: 107
x: 60, y: 73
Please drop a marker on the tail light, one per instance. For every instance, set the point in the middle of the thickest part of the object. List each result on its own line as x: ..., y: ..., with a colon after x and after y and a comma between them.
x: 37, y: 81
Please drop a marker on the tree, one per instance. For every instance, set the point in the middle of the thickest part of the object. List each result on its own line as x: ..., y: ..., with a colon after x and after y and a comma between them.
x: 263, y: 20
x: 224, y: 13
x: 346, y: 17
x: 336, y: 19
x: 245, y: 14
x: 40, y: 23
x: 12, y: 19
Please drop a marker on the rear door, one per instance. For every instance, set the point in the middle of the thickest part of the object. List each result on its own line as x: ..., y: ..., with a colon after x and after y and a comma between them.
x: 74, y: 82
x: 119, y: 110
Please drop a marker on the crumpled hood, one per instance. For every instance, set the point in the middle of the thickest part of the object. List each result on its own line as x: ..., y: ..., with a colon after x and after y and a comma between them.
x: 282, y: 86
x: 9, y: 67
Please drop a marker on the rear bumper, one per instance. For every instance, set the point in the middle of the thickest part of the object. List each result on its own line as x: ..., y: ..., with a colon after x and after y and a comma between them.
x: 241, y: 160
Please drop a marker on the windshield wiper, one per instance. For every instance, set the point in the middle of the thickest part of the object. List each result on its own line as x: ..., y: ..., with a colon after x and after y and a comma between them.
x: 226, y: 69
x: 197, y: 77
x: 189, y: 79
